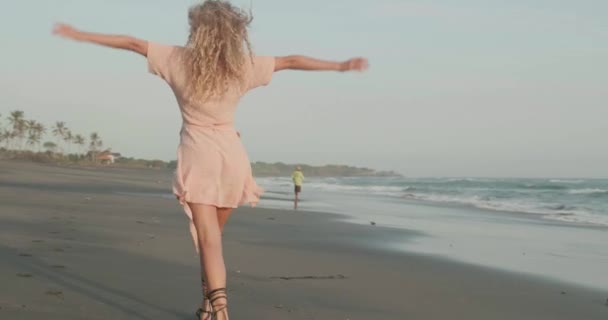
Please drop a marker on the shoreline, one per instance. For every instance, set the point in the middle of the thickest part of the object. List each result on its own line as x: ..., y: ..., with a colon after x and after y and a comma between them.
x: 74, y: 249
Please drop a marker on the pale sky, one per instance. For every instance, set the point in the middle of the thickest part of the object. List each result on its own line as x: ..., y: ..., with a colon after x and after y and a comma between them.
x: 456, y: 88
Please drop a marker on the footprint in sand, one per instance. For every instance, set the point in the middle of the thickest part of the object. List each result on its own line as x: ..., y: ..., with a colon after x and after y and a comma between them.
x: 55, y: 293
x: 332, y: 277
x: 58, y: 266
x: 24, y: 275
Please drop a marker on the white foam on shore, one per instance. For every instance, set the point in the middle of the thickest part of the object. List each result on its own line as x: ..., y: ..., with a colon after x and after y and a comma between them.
x: 566, y: 181
x: 588, y: 191
x: 570, y: 215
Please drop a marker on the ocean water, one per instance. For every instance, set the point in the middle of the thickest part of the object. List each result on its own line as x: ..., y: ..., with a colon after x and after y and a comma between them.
x: 552, y: 228
x: 575, y: 201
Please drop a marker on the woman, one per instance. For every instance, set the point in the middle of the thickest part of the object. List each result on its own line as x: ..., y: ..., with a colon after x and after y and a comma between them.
x: 208, y: 76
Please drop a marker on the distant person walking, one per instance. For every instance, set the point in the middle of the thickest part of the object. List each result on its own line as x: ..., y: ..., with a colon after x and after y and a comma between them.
x: 298, y: 178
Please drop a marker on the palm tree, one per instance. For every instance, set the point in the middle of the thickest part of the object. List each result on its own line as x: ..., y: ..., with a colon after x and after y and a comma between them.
x: 30, y: 126
x: 79, y: 140
x: 3, y: 137
x: 18, y: 123
x: 7, y: 135
x: 68, y: 138
x: 39, y: 130
x: 50, y: 146
x: 33, y: 139
x: 1, y: 133
x: 95, y: 144
x: 20, y: 132
x: 59, y: 130
x: 15, y: 117
x: 95, y: 141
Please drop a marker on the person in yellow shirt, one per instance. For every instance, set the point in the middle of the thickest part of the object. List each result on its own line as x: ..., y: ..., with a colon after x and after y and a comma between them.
x: 298, y: 178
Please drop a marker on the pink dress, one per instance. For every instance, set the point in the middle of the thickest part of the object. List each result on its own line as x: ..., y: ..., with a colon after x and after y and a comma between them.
x: 212, y: 164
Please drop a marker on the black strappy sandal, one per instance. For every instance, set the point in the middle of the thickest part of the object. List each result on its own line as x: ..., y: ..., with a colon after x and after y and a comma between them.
x: 215, y: 295
x: 202, y: 310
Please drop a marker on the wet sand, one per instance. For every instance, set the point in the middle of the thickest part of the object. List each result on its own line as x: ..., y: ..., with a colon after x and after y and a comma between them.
x: 99, y: 243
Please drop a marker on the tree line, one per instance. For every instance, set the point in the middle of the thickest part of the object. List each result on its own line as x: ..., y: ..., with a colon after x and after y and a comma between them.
x: 21, y: 134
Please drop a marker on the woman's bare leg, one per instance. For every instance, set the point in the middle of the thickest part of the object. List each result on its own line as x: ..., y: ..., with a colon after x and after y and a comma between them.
x: 222, y: 217
x: 205, y: 220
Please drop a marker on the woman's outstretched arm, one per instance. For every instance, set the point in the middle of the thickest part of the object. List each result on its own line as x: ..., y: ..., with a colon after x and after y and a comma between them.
x: 311, y: 64
x: 112, y: 41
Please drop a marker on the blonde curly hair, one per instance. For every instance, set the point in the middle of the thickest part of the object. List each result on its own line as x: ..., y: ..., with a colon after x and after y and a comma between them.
x: 218, y: 48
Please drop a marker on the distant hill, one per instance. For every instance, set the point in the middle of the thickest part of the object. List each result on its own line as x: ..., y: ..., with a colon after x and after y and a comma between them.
x: 264, y: 169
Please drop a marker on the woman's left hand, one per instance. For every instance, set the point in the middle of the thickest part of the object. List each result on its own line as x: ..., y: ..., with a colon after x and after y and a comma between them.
x: 64, y: 30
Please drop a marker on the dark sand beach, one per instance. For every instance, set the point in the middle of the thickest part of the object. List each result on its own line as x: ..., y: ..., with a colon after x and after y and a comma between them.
x: 101, y: 243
